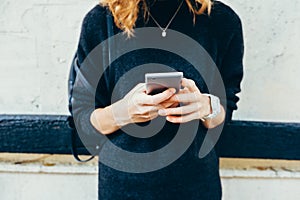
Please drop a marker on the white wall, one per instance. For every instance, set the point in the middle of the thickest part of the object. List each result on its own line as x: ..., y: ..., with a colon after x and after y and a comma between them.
x: 271, y: 87
x: 38, y: 39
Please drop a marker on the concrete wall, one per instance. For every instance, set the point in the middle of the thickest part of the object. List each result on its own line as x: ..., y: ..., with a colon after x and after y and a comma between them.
x: 38, y: 39
x: 271, y: 87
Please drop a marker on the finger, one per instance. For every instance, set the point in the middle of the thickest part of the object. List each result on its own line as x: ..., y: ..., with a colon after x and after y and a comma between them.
x: 169, y: 104
x: 150, y: 115
x: 182, y: 110
x: 157, y: 98
x: 183, y: 119
x: 140, y: 120
x: 185, y: 98
x: 166, y: 104
x: 184, y: 91
x: 144, y: 109
x: 141, y: 87
x: 174, y: 105
x: 190, y: 84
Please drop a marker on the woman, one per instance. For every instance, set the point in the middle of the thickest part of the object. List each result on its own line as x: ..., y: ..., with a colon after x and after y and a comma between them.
x: 218, y: 29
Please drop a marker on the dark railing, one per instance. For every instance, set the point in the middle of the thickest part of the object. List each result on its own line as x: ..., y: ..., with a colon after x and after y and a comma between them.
x: 240, y: 139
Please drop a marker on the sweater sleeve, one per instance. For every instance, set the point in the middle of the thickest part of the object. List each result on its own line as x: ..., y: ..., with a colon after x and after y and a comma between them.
x: 232, y: 69
x: 88, y: 92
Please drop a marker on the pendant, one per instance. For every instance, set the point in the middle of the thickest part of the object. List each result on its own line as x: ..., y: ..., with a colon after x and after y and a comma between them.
x: 164, y: 33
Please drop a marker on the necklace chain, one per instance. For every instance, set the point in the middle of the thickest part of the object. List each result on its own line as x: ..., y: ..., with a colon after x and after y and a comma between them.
x: 164, y: 30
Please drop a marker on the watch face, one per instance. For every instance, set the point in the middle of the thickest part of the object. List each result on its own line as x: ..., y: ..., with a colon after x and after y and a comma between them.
x: 215, y: 106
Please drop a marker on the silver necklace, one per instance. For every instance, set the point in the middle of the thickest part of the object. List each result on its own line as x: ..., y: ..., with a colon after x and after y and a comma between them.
x: 164, y: 30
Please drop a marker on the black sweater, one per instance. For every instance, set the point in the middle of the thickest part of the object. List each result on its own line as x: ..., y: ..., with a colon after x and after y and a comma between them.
x: 221, y: 36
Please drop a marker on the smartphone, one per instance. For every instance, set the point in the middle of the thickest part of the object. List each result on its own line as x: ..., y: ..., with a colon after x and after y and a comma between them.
x: 159, y: 82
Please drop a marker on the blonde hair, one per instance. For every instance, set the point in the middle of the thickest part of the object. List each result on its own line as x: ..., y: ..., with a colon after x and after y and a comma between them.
x: 125, y: 12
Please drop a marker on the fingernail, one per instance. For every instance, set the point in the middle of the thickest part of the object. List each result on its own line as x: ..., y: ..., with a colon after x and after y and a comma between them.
x: 162, y: 112
x: 173, y: 90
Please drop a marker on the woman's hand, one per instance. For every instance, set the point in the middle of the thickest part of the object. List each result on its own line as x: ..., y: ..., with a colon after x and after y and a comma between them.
x: 135, y: 107
x: 195, y: 106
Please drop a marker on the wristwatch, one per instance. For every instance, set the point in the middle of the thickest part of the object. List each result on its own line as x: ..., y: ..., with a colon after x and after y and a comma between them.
x: 215, y: 106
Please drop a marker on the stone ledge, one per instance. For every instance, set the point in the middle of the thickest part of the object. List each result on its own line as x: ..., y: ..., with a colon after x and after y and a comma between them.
x: 65, y: 164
